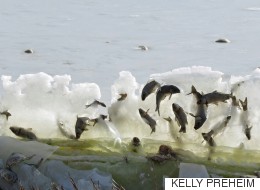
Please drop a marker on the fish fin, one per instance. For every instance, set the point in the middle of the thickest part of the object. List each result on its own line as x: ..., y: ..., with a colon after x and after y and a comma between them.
x: 153, y: 131
x: 102, y: 104
x: 193, y: 90
x: 157, y: 109
x: 170, y: 96
x: 191, y: 114
x: 169, y: 119
x: 147, y: 111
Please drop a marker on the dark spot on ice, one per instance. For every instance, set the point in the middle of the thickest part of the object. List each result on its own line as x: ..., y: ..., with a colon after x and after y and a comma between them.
x: 29, y: 51
x: 222, y: 40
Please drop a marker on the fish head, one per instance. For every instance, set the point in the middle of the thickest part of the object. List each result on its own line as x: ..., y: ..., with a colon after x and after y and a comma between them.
x: 174, y: 89
x: 136, y: 141
x: 199, y: 121
x: 165, y: 150
x: 142, y: 112
x: 175, y: 107
x: 228, y: 118
x: 144, y: 95
x: 14, y: 129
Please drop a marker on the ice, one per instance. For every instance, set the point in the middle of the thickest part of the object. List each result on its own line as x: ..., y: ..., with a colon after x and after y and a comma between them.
x: 60, y: 174
x: 8, y: 145
x: 40, y: 101
x: 30, y: 176
x: 190, y: 170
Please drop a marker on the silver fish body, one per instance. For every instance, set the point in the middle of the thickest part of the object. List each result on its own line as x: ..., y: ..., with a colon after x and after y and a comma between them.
x: 166, y: 90
x: 24, y: 133
x: 148, y: 119
x: 214, y: 98
x: 208, y: 138
x: 149, y: 88
x: 215, y: 130
x: 80, y: 126
x: 201, y: 115
x: 248, y: 132
x: 181, y: 117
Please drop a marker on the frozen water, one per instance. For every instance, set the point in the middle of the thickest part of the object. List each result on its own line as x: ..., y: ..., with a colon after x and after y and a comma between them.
x: 39, y: 101
x: 189, y: 170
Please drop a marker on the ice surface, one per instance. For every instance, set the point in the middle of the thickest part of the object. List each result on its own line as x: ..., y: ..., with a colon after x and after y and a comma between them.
x: 60, y: 174
x: 8, y: 145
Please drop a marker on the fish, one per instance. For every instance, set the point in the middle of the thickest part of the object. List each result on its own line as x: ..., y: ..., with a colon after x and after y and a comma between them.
x: 158, y: 159
x: 6, y: 113
x: 210, y: 98
x: 149, y: 88
x: 16, y: 158
x: 214, y: 97
x: 248, y: 132
x: 65, y: 131
x: 216, y: 130
x: 122, y: 97
x: 80, y: 126
x: 98, y: 119
x: 181, y: 117
x: 208, y: 138
x: 164, y: 91
x: 172, y: 131
x: 244, y: 104
x: 235, y: 102
x: 244, y: 118
x: 166, y: 151
x: 8, y: 175
x: 200, y: 116
x: 195, y: 93
x: 136, y: 142
x: 148, y: 119
x: 96, y: 103
x: 24, y: 133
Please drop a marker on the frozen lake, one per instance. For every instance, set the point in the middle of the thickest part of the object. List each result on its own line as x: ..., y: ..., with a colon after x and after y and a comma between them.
x: 94, y: 40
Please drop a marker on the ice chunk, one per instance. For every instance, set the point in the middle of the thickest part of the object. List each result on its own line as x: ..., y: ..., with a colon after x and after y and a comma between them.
x: 8, y: 145
x: 190, y: 170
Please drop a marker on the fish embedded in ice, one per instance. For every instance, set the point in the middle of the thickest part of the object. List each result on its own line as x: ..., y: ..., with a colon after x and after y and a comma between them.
x: 163, y: 91
x: 24, y: 133
x: 149, y: 88
x: 181, y: 117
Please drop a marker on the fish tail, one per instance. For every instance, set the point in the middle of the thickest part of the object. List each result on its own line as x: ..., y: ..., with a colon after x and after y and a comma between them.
x: 169, y: 119
x: 193, y: 90
x: 157, y: 109
x: 182, y: 130
x: 244, y: 104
